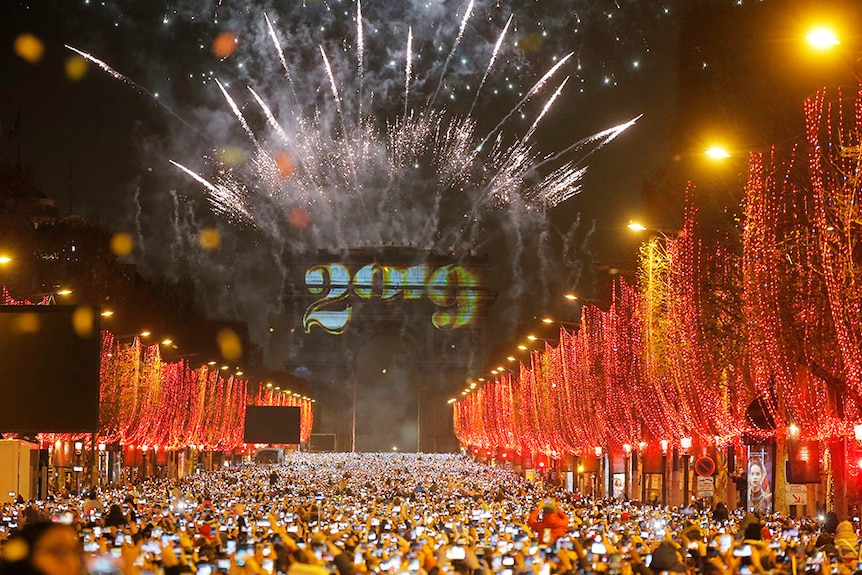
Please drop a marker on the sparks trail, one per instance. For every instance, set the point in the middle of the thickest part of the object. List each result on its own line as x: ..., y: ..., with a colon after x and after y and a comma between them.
x: 125, y: 79
x: 423, y: 177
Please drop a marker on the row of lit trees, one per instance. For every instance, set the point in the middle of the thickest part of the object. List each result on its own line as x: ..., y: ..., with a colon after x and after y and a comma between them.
x: 149, y: 403
x: 745, y: 330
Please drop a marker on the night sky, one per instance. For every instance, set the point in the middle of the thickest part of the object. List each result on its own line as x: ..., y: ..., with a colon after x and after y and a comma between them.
x: 102, y: 146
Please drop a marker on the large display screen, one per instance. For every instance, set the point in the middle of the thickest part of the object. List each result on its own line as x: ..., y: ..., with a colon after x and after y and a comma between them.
x: 453, y: 289
x: 271, y: 424
x: 49, y: 369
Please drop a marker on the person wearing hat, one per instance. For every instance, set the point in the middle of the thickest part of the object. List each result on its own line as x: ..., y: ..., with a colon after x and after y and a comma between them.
x: 846, y: 542
x: 548, y: 522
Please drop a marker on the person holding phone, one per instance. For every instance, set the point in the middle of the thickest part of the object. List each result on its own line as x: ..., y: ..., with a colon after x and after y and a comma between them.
x: 548, y: 522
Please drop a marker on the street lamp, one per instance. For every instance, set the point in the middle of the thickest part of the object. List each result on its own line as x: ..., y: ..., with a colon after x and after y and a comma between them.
x: 822, y: 38
x: 664, y: 447
x: 717, y: 153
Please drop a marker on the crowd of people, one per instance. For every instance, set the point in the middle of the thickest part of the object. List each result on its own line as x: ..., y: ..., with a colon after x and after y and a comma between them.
x: 357, y: 514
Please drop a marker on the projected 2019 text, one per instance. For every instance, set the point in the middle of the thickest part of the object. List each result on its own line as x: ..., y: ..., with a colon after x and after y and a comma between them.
x: 452, y: 288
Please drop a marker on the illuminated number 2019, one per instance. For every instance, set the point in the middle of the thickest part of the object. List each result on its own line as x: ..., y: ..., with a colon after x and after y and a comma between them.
x: 333, y: 280
x: 451, y: 288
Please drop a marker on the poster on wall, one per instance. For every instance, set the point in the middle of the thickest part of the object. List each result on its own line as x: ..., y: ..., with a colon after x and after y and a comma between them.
x: 760, y: 478
x: 619, y: 485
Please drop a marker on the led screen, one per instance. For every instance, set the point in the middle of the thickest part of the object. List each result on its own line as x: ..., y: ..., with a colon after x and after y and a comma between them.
x: 49, y: 369
x: 265, y: 424
x: 454, y: 290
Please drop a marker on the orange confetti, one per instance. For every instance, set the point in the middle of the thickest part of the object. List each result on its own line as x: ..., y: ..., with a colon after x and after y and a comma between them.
x: 224, y: 45
x: 285, y: 164
x: 229, y: 344
x: 209, y: 239
x: 29, y: 47
x: 122, y: 244
x: 530, y: 42
x: 298, y: 218
x: 83, y: 321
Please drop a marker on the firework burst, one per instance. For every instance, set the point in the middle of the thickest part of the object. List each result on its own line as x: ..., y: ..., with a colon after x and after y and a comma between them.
x: 423, y: 177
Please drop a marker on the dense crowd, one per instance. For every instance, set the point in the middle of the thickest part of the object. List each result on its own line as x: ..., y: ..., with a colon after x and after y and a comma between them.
x: 354, y: 514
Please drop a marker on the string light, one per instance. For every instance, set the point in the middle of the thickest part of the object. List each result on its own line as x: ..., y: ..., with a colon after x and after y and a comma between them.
x: 670, y: 360
x: 146, y: 401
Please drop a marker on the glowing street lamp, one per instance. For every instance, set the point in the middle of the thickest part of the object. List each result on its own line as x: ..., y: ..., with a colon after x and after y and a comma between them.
x: 636, y: 227
x: 5, y: 260
x: 822, y: 38
x: 717, y: 153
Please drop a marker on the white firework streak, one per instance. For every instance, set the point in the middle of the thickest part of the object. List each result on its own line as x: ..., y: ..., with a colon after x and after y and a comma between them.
x: 280, y: 51
x: 117, y: 76
x: 235, y: 109
x: 227, y: 200
x: 346, y: 137
x: 408, y: 70
x: 606, y: 136
x: 360, y: 46
x: 536, y: 87
x: 490, y: 64
x: 464, y: 21
x: 544, y: 111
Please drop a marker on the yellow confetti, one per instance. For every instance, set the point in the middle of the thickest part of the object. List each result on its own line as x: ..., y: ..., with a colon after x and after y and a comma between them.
x: 29, y: 47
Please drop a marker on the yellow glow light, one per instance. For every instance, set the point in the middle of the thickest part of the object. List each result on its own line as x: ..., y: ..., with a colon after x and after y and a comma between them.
x: 717, y: 153
x: 636, y: 227
x: 822, y: 38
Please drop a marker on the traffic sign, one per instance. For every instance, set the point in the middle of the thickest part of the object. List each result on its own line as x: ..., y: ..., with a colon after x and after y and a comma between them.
x: 705, y: 487
x: 704, y: 466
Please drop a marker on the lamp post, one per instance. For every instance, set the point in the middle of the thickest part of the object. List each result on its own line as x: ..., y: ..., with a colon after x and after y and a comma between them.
x: 664, y: 445
x: 627, y: 453
x: 685, y: 444
x: 599, y: 475
x: 102, y: 466
x: 79, y: 448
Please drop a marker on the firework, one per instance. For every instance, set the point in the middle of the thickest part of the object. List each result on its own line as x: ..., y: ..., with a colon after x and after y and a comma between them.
x: 386, y: 181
